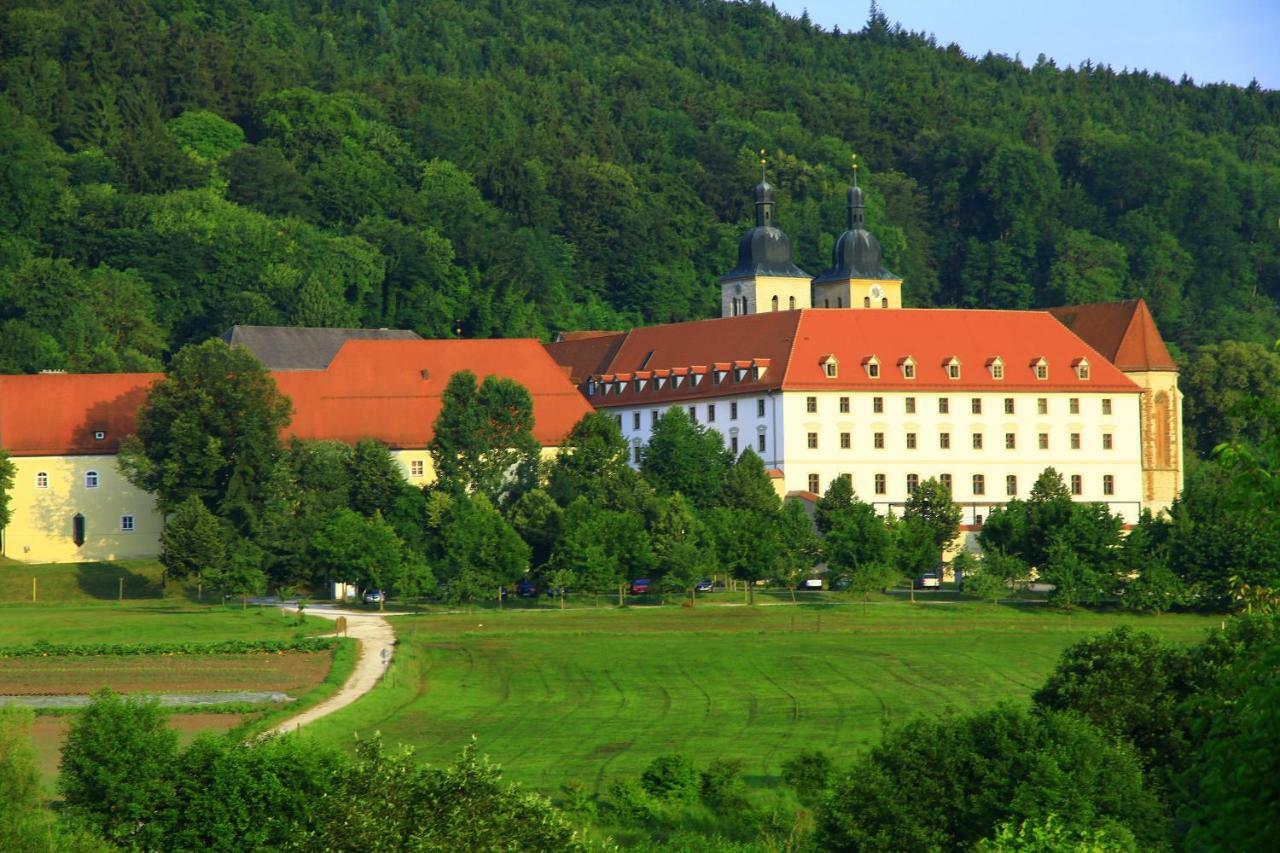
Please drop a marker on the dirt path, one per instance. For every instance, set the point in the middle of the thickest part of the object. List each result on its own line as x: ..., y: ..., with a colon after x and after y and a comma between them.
x: 377, y: 645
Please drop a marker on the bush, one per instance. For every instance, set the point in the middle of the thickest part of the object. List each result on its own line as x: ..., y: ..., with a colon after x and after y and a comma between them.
x: 671, y: 779
x: 117, y: 769
x: 946, y: 783
x: 631, y: 803
x: 721, y: 785
x: 808, y: 772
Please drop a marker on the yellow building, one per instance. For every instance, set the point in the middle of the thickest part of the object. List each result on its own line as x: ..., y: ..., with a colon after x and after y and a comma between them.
x: 70, y: 503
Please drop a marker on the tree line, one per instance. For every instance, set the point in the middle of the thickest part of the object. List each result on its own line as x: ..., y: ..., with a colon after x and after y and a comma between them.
x: 531, y: 166
x: 246, y: 510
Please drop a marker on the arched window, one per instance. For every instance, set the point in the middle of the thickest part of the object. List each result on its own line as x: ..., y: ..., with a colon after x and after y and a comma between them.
x: 826, y: 303
x: 42, y: 479
x: 791, y: 303
x: 91, y: 479
x: 775, y: 303
x: 866, y: 302
x: 839, y: 301
x: 884, y: 302
x: 77, y: 529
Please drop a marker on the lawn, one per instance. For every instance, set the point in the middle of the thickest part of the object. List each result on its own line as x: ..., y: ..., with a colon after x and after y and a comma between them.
x: 591, y: 694
x: 86, y: 583
x: 148, y: 622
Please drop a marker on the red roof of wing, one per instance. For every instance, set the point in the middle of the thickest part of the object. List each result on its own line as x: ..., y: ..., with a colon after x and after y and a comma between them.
x: 797, y: 342
x: 56, y: 414
x: 586, y: 356
x: 376, y: 389
x: 933, y: 336
x: 1124, y: 332
x: 371, y: 389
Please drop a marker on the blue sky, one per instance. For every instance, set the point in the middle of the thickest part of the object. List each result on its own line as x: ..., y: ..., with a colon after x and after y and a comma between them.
x: 1210, y: 40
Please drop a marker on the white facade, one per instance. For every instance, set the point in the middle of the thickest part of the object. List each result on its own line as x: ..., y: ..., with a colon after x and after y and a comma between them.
x: 1092, y: 439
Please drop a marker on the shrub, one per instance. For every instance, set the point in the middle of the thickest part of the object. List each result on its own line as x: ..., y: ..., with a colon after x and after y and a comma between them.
x: 808, y: 772
x: 670, y: 778
x: 721, y: 785
x: 631, y: 803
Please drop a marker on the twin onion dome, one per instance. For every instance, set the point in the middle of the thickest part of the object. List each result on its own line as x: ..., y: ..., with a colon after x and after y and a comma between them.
x: 766, y: 250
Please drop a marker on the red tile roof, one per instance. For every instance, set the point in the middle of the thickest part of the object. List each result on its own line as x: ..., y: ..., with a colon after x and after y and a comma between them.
x: 56, y: 414
x: 1124, y: 332
x: 371, y: 389
x: 796, y: 343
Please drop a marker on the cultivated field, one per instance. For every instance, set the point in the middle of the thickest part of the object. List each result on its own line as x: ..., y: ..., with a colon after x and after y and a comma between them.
x: 293, y: 673
x: 590, y: 694
x: 147, y: 622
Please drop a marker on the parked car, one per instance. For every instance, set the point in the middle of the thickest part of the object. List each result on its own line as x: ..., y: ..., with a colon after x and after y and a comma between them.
x: 640, y: 586
x: 810, y: 583
x: 527, y: 589
x: 375, y: 596
x: 705, y: 585
x: 928, y: 580
x: 840, y: 584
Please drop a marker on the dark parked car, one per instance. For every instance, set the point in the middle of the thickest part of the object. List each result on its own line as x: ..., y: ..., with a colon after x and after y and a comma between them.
x: 705, y: 585
x: 527, y: 589
x: 640, y: 586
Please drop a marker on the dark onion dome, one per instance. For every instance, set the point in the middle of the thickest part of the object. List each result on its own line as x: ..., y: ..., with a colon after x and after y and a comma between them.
x: 857, y: 251
x: 764, y: 250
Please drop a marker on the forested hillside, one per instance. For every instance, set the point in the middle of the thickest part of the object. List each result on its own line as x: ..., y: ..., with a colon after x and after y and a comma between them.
x: 515, y: 167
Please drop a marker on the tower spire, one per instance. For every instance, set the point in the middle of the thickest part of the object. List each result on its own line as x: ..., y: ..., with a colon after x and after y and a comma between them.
x: 857, y: 208
x: 764, y: 196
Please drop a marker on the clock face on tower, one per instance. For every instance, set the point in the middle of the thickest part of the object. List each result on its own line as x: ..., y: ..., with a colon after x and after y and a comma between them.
x: 876, y: 291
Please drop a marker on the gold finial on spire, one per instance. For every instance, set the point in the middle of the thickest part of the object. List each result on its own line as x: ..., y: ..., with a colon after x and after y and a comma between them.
x: 764, y: 162
x: 853, y: 164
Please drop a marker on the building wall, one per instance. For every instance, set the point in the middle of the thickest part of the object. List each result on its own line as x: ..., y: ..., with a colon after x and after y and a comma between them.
x: 760, y: 291
x: 787, y: 424
x: 637, y: 423
x: 1025, y: 462
x: 856, y: 293
x: 41, y: 528
x: 1161, y: 414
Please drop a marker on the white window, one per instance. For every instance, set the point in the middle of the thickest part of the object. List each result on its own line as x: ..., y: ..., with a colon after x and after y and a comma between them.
x: 908, y: 368
x: 997, y: 368
x: 813, y: 483
x: 1108, y: 484
x: 953, y: 368
x: 733, y: 411
x: 810, y: 404
x: 417, y: 468
x: 1082, y: 369
x: 913, y: 483
x: 1106, y: 405
x: 91, y: 479
x: 759, y: 408
x: 813, y: 441
x: 1042, y: 369
x: 637, y: 454
x: 880, y: 484
x: 42, y: 479
x: 711, y: 413
x: 635, y: 420
x: 760, y: 442
x: 126, y: 524
x: 1042, y: 405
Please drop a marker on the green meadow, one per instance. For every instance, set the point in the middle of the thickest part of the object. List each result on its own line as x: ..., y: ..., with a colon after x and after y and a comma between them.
x: 589, y: 695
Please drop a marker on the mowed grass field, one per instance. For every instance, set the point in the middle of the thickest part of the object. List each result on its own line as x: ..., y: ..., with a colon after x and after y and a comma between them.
x: 590, y: 695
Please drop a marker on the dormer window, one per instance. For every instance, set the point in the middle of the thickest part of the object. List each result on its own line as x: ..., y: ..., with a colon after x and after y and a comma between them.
x: 873, y: 367
x: 640, y: 383
x: 953, y: 367
x: 1041, y: 367
x: 695, y: 379
x: 1082, y: 369
x: 830, y: 366
x: 659, y: 382
x: 908, y: 368
x: 99, y: 435
x: 677, y: 380
x: 591, y: 388
x: 996, y: 366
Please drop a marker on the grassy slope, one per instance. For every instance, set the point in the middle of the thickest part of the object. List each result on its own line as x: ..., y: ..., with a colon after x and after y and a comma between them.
x: 589, y: 694
x: 87, y: 583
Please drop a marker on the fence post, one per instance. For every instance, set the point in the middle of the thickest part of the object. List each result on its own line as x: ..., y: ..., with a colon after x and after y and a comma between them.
x: 33, y: 591
x: 120, y: 597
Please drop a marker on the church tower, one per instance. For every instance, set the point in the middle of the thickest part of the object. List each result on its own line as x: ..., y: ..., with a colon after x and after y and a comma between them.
x: 764, y: 279
x: 857, y: 279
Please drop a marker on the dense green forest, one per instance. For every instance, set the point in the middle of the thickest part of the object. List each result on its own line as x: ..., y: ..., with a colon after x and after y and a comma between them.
x: 516, y: 167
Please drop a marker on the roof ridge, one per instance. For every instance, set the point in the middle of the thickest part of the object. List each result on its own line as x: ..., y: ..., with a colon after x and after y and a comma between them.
x: 791, y: 350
